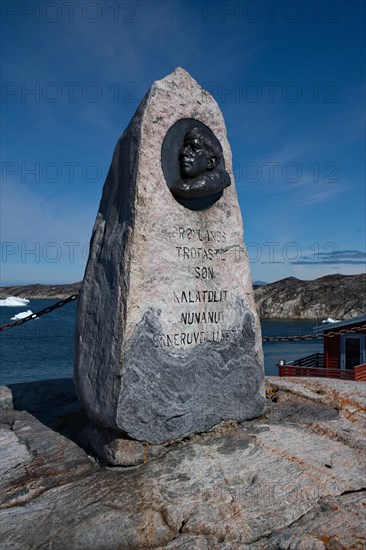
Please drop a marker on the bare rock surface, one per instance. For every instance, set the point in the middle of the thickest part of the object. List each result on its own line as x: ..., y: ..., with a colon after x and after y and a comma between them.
x: 293, y: 478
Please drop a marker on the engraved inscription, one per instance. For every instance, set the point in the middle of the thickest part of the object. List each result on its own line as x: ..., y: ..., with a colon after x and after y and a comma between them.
x: 203, y: 235
x: 189, y: 318
x: 183, y: 339
x: 199, y: 309
x: 204, y: 272
x: 202, y: 296
x: 200, y: 253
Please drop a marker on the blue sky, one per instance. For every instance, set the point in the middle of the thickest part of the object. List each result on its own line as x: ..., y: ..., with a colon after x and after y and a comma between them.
x: 288, y: 77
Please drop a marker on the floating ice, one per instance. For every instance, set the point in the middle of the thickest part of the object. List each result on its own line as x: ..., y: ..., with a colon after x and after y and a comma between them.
x: 14, y: 301
x: 21, y: 315
x: 330, y: 320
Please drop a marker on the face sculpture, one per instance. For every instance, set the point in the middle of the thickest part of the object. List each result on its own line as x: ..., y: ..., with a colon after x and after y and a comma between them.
x: 201, y: 169
x: 195, y: 157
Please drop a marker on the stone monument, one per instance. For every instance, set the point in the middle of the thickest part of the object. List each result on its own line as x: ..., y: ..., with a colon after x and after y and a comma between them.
x: 168, y: 341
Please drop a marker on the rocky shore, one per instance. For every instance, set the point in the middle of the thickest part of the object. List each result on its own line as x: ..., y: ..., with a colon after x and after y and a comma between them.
x: 336, y: 296
x: 293, y: 478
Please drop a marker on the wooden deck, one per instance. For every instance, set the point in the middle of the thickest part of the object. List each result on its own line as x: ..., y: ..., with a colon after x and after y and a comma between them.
x: 313, y: 365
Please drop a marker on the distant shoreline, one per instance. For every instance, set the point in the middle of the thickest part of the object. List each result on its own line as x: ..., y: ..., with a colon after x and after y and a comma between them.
x: 40, y: 292
x: 336, y: 296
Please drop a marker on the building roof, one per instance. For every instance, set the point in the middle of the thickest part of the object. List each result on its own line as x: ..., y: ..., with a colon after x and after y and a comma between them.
x: 340, y: 324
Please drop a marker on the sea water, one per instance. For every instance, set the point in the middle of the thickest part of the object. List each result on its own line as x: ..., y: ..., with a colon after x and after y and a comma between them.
x: 43, y: 348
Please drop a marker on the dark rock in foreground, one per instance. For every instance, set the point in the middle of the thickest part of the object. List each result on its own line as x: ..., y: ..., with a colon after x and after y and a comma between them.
x: 293, y: 478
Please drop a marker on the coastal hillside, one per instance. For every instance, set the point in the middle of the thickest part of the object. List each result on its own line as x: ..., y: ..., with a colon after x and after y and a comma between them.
x: 336, y: 296
x: 40, y: 291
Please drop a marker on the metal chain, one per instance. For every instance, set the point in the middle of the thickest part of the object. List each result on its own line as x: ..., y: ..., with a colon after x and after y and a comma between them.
x: 40, y: 313
x: 292, y: 338
x: 264, y: 338
x: 331, y: 334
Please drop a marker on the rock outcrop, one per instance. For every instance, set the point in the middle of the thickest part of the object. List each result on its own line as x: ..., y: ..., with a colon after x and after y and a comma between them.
x: 336, y: 296
x: 293, y: 478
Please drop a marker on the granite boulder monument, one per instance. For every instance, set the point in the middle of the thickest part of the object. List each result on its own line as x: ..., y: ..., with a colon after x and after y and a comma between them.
x: 168, y: 340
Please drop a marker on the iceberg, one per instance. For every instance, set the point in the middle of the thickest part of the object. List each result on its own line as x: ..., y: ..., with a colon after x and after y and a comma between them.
x: 14, y: 301
x: 330, y: 320
x: 22, y: 315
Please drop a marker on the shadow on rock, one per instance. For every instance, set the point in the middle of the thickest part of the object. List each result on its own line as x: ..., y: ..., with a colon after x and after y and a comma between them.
x: 52, y: 402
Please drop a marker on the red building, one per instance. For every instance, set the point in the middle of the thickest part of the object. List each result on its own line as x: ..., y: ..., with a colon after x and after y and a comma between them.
x: 344, y: 354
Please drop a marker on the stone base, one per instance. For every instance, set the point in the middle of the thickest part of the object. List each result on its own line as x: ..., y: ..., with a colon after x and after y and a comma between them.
x: 112, y: 449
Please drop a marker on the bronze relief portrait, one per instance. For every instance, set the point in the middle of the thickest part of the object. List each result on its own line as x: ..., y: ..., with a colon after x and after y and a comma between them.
x: 193, y: 164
